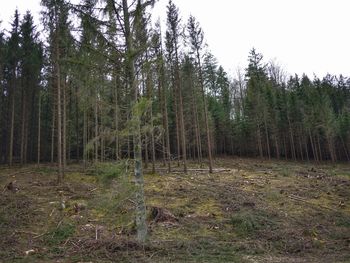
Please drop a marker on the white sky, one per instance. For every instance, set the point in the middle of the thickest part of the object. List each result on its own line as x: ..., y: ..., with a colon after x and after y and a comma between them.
x: 310, y: 36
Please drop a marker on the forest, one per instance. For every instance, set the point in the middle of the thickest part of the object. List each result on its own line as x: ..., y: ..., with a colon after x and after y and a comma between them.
x: 104, y: 92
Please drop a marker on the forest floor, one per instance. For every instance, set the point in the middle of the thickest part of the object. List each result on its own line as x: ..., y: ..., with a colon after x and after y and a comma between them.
x: 248, y: 210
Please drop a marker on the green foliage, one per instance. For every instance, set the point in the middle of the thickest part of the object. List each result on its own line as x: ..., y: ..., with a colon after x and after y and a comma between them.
x: 249, y: 223
x: 60, y: 234
x: 106, y: 172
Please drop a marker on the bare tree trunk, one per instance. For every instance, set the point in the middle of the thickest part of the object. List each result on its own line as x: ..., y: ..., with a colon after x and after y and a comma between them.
x: 314, y: 151
x: 84, y: 137
x: 96, y: 128
x: 181, y: 114
x: 116, y: 119
x: 77, y: 124
x: 39, y: 129
x: 259, y: 141
x: 319, y: 147
x: 344, y: 147
x: 291, y: 136
x: 12, y: 121
x: 64, y: 130
x: 267, y: 139
x: 23, y: 125
x: 306, y: 148
x: 146, y: 152
x: 277, y: 147
x: 177, y: 127
x: 162, y: 96
x: 206, y: 117
x: 53, y: 130
x: 59, y: 114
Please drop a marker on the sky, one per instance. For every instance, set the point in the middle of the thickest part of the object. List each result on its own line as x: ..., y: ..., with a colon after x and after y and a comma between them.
x: 303, y: 36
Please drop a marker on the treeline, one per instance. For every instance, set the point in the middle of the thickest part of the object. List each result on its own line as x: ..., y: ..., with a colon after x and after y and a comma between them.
x: 97, y: 88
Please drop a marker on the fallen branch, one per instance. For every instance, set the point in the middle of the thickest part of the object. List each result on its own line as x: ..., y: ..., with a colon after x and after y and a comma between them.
x: 300, y: 199
x: 218, y: 170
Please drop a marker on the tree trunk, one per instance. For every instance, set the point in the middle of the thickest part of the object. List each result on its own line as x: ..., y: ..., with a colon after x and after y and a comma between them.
x: 141, y: 225
x: 53, y: 130
x: 12, y: 120
x: 64, y: 130
x: 84, y: 137
x: 23, y: 125
x: 59, y: 114
x: 206, y: 117
x: 39, y: 129
x: 96, y: 128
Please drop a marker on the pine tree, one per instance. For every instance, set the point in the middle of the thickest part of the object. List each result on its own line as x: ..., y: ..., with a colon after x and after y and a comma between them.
x: 196, y: 39
x: 173, y: 34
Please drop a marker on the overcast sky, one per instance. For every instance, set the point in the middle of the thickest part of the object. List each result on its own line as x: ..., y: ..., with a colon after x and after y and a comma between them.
x: 311, y: 36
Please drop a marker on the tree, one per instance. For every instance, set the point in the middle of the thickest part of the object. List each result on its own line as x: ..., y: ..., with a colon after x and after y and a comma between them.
x: 196, y: 39
x: 172, y: 39
x: 13, y: 53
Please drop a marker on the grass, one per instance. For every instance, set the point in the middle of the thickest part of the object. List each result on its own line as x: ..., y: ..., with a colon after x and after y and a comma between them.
x: 60, y: 234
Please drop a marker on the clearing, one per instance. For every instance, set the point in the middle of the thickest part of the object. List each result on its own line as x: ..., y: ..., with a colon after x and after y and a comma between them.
x: 248, y: 210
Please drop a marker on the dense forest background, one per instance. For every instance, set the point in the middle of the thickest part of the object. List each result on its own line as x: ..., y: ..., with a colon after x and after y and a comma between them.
x: 71, y: 93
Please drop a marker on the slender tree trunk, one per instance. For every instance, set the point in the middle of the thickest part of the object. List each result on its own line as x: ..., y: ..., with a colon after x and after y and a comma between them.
x: 77, y: 134
x: 206, y: 116
x: 306, y: 148
x: 96, y: 128
x: 314, y: 152
x: 53, y: 130
x: 259, y: 141
x: 181, y: 114
x: 39, y: 129
x: 345, y: 149
x: 177, y: 127
x: 85, y: 136
x: 196, y: 125
x: 267, y: 139
x: 116, y: 119
x: 12, y: 120
x: 64, y: 130
x: 23, y: 124
x: 59, y: 114
x: 291, y: 136
x: 162, y: 92
x: 277, y: 147
x: 146, y: 152
x: 196, y: 129
x: 319, y: 148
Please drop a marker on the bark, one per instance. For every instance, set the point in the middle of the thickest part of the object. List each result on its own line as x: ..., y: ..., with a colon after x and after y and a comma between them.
x: 39, y: 129
x: 23, y: 125
x: 59, y: 113
x: 267, y: 138
x: 12, y: 120
x: 64, y: 124
x: 84, y: 137
x: 53, y: 131
x: 96, y: 128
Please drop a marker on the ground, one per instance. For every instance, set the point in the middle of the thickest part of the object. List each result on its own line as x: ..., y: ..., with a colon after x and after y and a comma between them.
x: 248, y: 210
